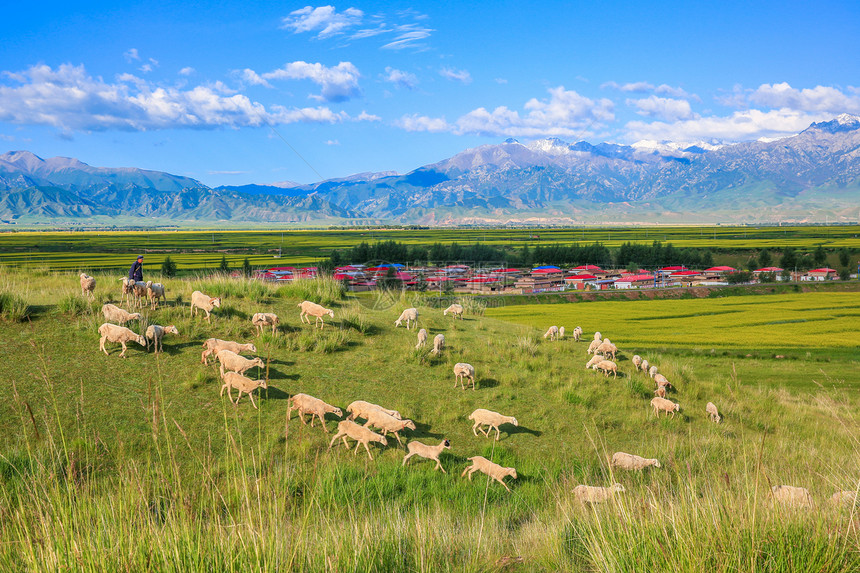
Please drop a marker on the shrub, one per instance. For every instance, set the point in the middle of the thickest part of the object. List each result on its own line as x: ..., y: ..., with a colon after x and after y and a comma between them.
x: 322, y: 290
x: 168, y: 267
x: 13, y: 307
x: 73, y: 304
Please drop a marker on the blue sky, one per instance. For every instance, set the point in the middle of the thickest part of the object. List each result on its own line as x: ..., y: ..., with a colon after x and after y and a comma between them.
x: 235, y: 93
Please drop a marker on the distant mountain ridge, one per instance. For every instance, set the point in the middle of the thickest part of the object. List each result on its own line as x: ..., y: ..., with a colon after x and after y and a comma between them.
x: 810, y: 176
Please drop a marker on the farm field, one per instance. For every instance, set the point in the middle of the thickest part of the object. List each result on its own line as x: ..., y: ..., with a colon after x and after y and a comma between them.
x: 139, y: 464
x: 71, y: 250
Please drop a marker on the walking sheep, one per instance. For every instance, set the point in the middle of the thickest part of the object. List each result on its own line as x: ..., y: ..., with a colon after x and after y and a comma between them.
x: 155, y: 291
x: 234, y: 363
x: 261, y: 319
x: 204, y: 302
x: 791, y: 495
x: 113, y: 333
x: 492, y: 419
x: 577, y: 334
x: 125, y: 290
x: 593, y: 346
x: 243, y: 384
x: 382, y: 421
x: 632, y: 462
x: 438, y: 344
x: 636, y: 361
x: 596, y: 494
x: 644, y: 366
x: 598, y: 336
x: 360, y: 434
x: 427, y: 452
x: 410, y: 315
x: 306, y: 404
x: 455, y: 309
x: 713, y: 413
x: 116, y: 315
x: 313, y: 309
x: 607, y: 366
x: 560, y: 332
x: 661, y: 381
x: 495, y: 471
x: 213, y: 345
x: 652, y: 372
x: 551, y: 333
x: 464, y: 370
x: 361, y: 409
x: 664, y: 405
x: 155, y: 334
x: 422, y: 338
x: 139, y: 290
x: 88, y: 286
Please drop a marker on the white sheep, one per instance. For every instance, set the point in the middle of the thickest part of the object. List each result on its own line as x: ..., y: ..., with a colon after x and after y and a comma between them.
x: 306, y: 404
x: 791, y: 495
x: 113, y: 333
x: 636, y: 361
x: 607, y: 366
x: 155, y: 334
x: 422, y: 338
x: 88, y: 286
x: 661, y: 381
x: 560, y: 332
x: 577, y: 334
x: 313, y: 309
x: 596, y: 494
x: 598, y: 336
x: 139, y: 290
x: 155, y: 291
x: 243, y: 384
x: 551, y: 332
x: 361, y: 409
x: 116, y: 315
x: 607, y: 349
x: 213, y: 345
x: 661, y: 392
x: 234, y: 363
x: 593, y: 360
x: 261, y: 319
x: 713, y: 413
x: 455, y: 309
x: 495, y: 471
x: 593, y: 346
x: 846, y: 498
x: 653, y: 371
x: 427, y: 452
x: 644, y: 366
x: 410, y: 315
x: 438, y: 344
x: 491, y: 419
x: 204, y: 302
x: 464, y: 370
x: 663, y: 405
x: 626, y: 461
x: 360, y: 434
x: 125, y: 290
x: 382, y: 421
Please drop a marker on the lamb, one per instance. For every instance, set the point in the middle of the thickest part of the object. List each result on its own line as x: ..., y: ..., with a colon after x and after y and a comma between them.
x: 242, y: 384
x: 664, y: 405
x: 88, y: 286
x: 410, y: 315
x: 204, y: 302
x: 495, y: 471
x: 594, y: 360
x: 117, y: 315
x: 593, y: 346
x: 791, y: 495
x: 596, y: 494
x: 607, y: 349
x: 113, y: 333
x: 234, y: 363
x: 306, y: 404
x: 154, y: 291
x: 427, y: 452
x: 845, y: 498
x: 560, y: 332
x: 358, y: 433
x: 464, y: 370
x: 551, y: 333
x: 652, y: 372
x: 636, y: 361
x: 455, y: 309
x: 422, y: 338
x: 382, y: 421
x: 607, y: 366
x: 644, y: 366
x: 626, y: 461
x: 577, y: 334
x: 312, y: 309
x: 361, y: 409
x: 713, y: 414
x: 155, y: 333
x: 492, y: 419
x: 438, y: 344
x: 261, y: 319
x: 213, y: 345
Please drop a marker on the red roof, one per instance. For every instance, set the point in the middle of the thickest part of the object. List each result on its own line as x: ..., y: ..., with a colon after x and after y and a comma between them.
x: 635, y: 278
x: 681, y: 268
x: 582, y: 277
x: 685, y: 273
x: 720, y: 270
x: 546, y: 271
x: 281, y: 269
x: 769, y: 270
x: 505, y: 270
x: 587, y: 268
x: 482, y: 280
x: 823, y: 270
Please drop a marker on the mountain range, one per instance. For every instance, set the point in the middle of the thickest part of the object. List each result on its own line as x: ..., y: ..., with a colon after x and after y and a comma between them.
x: 811, y: 176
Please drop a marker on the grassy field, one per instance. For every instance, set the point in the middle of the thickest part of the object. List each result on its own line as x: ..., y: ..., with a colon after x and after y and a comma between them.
x: 138, y: 464
x: 91, y: 250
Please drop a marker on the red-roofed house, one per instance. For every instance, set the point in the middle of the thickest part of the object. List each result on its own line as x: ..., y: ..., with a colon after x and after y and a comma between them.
x: 776, y: 271
x: 589, y: 268
x: 822, y: 274
x: 580, y: 281
x: 634, y: 281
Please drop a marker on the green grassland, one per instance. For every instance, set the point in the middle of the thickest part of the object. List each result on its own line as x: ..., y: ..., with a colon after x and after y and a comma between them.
x: 139, y: 464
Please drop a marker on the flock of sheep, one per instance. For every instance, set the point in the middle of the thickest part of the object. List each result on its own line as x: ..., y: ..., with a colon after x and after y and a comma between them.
x: 233, y: 366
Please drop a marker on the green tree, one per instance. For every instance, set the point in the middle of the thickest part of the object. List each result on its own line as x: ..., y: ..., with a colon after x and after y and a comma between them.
x: 390, y: 281
x: 789, y: 259
x: 739, y: 277
x: 246, y: 267
x: 224, y: 266
x: 764, y: 258
x: 707, y: 259
x: 844, y: 256
x: 844, y: 274
x: 819, y: 257
x: 168, y: 268
x: 752, y: 264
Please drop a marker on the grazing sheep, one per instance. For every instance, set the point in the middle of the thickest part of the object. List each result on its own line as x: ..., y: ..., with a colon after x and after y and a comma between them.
x: 155, y: 334
x: 636, y: 361
x: 213, y: 345
x: 234, y: 363
x: 607, y: 349
x: 427, y: 452
x: 455, y: 309
x: 626, y: 461
x: 313, y: 309
x: 113, y: 333
x: 422, y: 338
x: 242, y: 384
x: 791, y: 495
x: 607, y: 366
x: 125, y: 290
x: 495, y: 471
x: 438, y: 344
x: 652, y: 372
x: 661, y: 392
x: 410, y: 315
x: 593, y: 346
x: 155, y: 291
x: 464, y: 370
x: 204, y: 302
x: 596, y: 494
x: 713, y: 414
x: 577, y: 334
x: 661, y: 381
x: 491, y: 419
x: 598, y: 336
x: 360, y: 434
x: 593, y: 360
x: 88, y: 286
x: 560, y: 332
x: 261, y: 319
x: 551, y: 333
x: 846, y: 498
x: 382, y: 421
x: 139, y: 290
x: 116, y: 315
x: 362, y: 409
x: 664, y: 405
x: 306, y: 404
x: 644, y: 366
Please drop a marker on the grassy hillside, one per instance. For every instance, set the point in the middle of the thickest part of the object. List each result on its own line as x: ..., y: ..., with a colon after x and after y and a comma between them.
x: 137, y: 463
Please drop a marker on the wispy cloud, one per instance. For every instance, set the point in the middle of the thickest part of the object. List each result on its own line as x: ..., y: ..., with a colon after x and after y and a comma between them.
x: 408, y: 36
x: 131, y: 55
x: 187, y: 71
x: 423, y: 123
x: 400, y: 78
x: 461, y: 76
x: 338, y: 83
x: 662, y: 108
x: 332, y: 142
x: 647, y: 87
x: 325, y: 20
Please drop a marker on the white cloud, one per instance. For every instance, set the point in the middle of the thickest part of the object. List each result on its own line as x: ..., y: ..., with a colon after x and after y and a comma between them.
x: 423, y: 123
x: 408, y: 36
x: 501, y: 81
x: 251, y: 77
x: 187, y: 71
x: 662, y: 108
x: 400, y: 78
x: 326, y: 19
x: 327, y: 22
x: 817, y: 99
x: 338, y: 83
x: 69, y: 99
x: 461, y: 76
x: 131, y: 54
x: 646, y: 87
x: 332, y: 142
x: 364, y: 116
